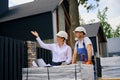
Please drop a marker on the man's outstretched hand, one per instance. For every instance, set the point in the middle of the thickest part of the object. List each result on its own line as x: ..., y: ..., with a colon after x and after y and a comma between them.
x: 35, y: 33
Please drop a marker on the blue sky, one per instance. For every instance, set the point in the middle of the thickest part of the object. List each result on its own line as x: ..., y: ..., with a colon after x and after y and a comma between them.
x: 113, y: 13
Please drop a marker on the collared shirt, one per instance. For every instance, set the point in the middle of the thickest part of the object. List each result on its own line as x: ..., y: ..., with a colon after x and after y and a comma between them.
x: 59, y: 54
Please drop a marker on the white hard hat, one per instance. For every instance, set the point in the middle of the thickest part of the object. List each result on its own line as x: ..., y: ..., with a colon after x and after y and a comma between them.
x: 62, y: 34
x: 80, y: 29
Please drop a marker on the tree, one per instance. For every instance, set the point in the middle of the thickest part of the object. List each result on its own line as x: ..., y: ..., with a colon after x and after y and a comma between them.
x: 109, y: 32
x: 106, y: 26
x: 74, y: 14
x: 116, y: 32
x: 74, y: 17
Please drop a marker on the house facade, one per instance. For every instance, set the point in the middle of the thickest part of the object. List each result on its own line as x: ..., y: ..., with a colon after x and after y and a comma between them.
x: 18, y: 47
x: 46, y: 17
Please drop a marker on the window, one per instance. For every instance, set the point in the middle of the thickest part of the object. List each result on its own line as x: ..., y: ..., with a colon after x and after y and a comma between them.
x: 18, y: 2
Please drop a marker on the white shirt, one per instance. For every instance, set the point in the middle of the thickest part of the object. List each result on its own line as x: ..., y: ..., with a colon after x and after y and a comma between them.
x: 59, y: 54
x: 80, y: 43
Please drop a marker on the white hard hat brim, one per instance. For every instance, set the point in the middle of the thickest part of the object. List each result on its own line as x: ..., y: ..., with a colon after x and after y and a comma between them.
x: 61, y: 36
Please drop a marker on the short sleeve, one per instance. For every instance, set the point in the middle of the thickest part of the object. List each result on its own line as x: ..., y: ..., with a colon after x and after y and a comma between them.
x: 87, y: 41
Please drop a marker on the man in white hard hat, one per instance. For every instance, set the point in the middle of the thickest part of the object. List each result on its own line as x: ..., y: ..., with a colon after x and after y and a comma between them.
x: 83, y: 46
x: 61, y: 52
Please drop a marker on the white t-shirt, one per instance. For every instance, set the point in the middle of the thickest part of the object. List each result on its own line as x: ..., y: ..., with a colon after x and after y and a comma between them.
x: 59, y: 54
x: 86, y: 41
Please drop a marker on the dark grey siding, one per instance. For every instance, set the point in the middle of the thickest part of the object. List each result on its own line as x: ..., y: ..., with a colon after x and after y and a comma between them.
x: 13, y: 57
x: 3, y: 6
x: 20, y: 28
